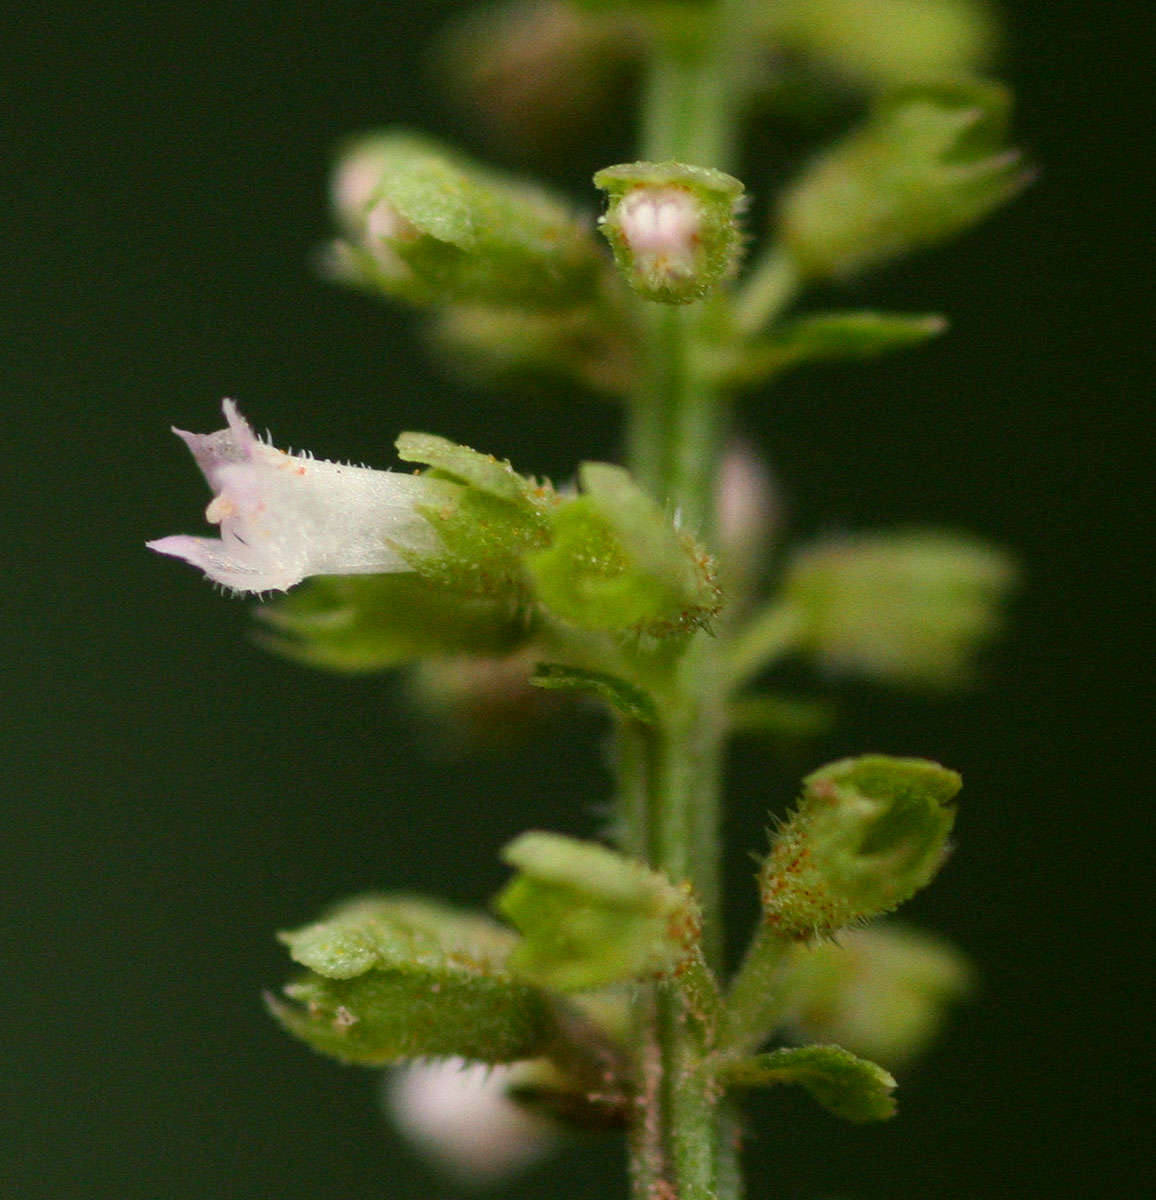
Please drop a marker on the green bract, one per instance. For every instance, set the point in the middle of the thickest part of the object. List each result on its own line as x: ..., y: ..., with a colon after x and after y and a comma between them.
x: 672, y: 227
x: 928, y: 163
x: 402, y: 977
x: 846, y: 1086
x: 618, y: 563
x: 868, y: 833
x: 911, y: 607
x: 591, y: 916
x: 429, y: 225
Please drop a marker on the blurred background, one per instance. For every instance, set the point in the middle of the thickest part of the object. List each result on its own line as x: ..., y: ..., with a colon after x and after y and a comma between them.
x: 173, y: 794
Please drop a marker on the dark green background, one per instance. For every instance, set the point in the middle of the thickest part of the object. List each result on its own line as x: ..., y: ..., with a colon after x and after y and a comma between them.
x: 173, y: 795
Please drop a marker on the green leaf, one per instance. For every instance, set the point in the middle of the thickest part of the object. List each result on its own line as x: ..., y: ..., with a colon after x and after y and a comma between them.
x: 846, y: 1086
x: 831, y: 337
x: 617, y: 562
x: 402, y: 977
x: 357, y: 623
x: 868, y: 834
x: 590, y: 916
x: 623, y: 697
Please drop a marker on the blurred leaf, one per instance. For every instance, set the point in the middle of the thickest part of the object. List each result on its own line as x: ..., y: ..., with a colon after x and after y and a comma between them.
x: 830, y: 337
x: 908, y: 607
x: 887, y: 42
x: 595, y: 346
x: 623, y: 697
x: 780, y: 716
x: 549, y: 71
x: 928, y: 163
x: 358, y: 623
x: 883, y: 991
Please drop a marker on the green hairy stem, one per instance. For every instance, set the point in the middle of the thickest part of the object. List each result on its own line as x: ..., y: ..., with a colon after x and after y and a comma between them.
x: 684, y: 1142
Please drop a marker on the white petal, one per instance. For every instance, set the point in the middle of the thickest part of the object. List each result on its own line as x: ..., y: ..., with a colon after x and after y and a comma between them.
x: 212, y: 556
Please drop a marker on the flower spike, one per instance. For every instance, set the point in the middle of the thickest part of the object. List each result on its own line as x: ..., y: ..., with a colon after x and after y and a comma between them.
x: 286, y: 516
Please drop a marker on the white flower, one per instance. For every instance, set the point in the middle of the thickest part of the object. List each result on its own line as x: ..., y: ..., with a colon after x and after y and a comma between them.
x: 285, y: 516
x: 459, y: 1114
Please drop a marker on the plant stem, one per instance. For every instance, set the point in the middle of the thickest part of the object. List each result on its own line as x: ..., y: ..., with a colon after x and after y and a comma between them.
x: 757, y: 994
x: 682, y: 1143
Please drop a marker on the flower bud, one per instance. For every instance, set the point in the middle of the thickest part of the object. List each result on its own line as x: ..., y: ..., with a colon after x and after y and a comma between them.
x: 928, y: 163
x: 867, y: 835
x: 672, y: 227
x: 908, y: 608
x: 590, y: 916
x: 429, y: 225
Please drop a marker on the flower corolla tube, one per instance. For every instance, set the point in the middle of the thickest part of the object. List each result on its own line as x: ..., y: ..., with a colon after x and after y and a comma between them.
x: 286, y: 516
